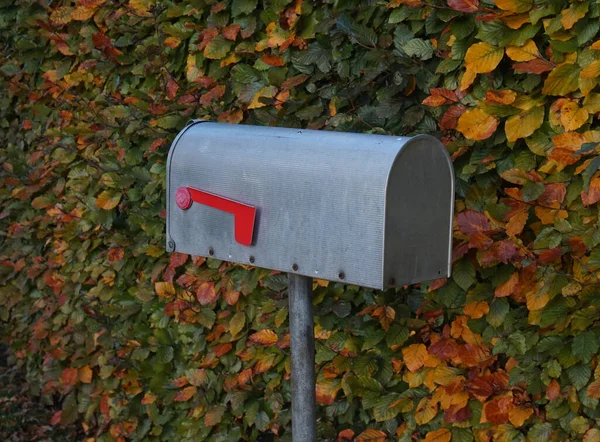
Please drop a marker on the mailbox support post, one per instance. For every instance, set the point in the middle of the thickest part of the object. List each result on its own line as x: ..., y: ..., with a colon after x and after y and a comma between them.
x: 302, y: 341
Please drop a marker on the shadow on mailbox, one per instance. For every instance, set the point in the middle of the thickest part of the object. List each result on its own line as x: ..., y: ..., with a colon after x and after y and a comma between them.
x: 370, y: 210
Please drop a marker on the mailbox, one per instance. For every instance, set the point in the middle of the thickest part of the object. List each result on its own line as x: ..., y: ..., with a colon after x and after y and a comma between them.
x: 370, y: 210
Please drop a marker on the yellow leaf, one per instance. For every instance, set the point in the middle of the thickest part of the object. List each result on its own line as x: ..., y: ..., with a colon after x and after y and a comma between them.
x: 516, y: 21
x: 517, y: 416
x: 264, y: 337
x: 573, y: 14
x: 61, y: 15
x: 467, y: 79
x: 572, y: 117
x: 586, y: 85
x: 85, y: 374
x: 414, y: 356
x: 592, y: 71
x: 517, y: 6
x: 476, y: 124
x: 596, y: 46
x: 82, y: 13
x: 525, y: 124
x: 442, y: 435
x: 108, y: 200
x: 527, y: 52
x: 426, y: 410
x: 164, y: 289
x: 266, y: 92
x: 537, y: 298
x: 562, y: 80
x: 371, y: 435
x: 482, y: 58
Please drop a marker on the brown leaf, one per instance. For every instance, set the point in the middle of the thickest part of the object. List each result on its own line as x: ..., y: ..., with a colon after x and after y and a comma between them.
x: 592, y: 196
x: 272, y: 60
x: 500, y: 97
x: 85, y: 374
x: 449, y: 120
x: 69, y: 376
x: 553, y: 390
x: 116, y: 254
x: 206, y: 293
x: 230, y: 32
x: 536, y: 66
x: 470, y: 222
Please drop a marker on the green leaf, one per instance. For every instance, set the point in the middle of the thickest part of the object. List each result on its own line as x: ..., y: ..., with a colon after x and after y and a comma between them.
x: 359, y: 32
x: 562, y: 80
x: 237, y: 323
x: 585, y: 346
x: 239, y: 7
x: 419, y: 48
x: 540, y: 432
x: 463, y: 273
x: 579, y: 375
x: 217, y: 48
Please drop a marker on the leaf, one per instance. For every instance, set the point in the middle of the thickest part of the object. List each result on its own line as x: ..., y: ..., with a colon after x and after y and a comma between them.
x: 527, y: 52
x: 108, y: 200
x: 508, y: 287
x: 217, y: 48
x: 483, y: 57
x: 69, y: 376
x: 536, y: 66
x: 425, y: 411
x: 591, y: 71
x: 573, y: 14
x: 441, y: 435
x: 516, y: 223
x: 572, y: 117
x: 516, y: 6
x: 214, y: 416
x: 264, y: 337
x: 562, y: 80
x: 419, y: 48
x: 164, y: 289
x: 477, y: 309
x: 579, y: 375
x: 239, y: 7
x: 371, y: 435
x: 524, y: 125
x: 501, y: 97
x: 470, y: 222
x: 414, y: 356
x: 85, y: 374
x: 585, y: 345
x: 206, y: 293
x: 476, y: 124
x: 266, y: 92
x: 464, y: 5
x: 186, y: 394
x: 463, y: 273
x: 593, y: 390
x: 237, y: 323
x: 326, y: 391
x: 592, y: 196
x: 517, y: 416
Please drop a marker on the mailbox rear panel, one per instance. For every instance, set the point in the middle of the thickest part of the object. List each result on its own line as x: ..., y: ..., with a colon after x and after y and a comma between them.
x: 320, y: 198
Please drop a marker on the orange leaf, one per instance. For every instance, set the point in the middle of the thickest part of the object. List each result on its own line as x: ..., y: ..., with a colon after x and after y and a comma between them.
x: 508, y: 287
x: 264, y: 337
x: 206, y: 293
x: 164, y: 289
x: 496, y: 410
x: 148, y: 399
x: 476, y: 124
x: 593, y: 390
x: 116, y: 254
x: 517, y: 416
x: 326, y: 391
x: 185, y: 394
x: 500, y: 97
x: 517, y: 222
x: 553, y: 390
x: 476, y: 310
x: 414, y: 356
x: 592, y: 196
x: 272, y: 60
x: 230, y: 32
x: 346, y: 434
x: 572, y: 117
x: 69, y: 376
x: 85, y: 374
x: 371, y: 435
x: 442, y: 435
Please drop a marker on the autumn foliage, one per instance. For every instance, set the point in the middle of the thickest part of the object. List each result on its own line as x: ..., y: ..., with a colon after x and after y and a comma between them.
x: 137, y: 344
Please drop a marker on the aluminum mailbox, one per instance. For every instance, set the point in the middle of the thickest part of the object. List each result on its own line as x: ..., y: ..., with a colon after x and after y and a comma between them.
x: 370, y: 210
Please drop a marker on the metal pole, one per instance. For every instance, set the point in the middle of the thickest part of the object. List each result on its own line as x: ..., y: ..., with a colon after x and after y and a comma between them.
x: 302, y: 341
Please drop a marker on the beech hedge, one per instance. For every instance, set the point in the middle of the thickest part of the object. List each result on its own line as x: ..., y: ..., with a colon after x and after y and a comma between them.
x: 141, y: 345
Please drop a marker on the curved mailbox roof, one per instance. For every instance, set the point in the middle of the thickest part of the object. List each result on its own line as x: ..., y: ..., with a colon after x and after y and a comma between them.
x: 371, y: 210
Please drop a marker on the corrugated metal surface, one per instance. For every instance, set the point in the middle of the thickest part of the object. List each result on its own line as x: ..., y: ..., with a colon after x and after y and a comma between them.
x: 320, y: 197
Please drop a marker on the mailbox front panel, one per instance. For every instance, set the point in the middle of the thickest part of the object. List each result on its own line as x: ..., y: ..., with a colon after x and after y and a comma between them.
x: 318, y: 199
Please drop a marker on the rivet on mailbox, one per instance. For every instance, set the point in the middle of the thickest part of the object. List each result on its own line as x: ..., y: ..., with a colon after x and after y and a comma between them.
x: 316, y: 202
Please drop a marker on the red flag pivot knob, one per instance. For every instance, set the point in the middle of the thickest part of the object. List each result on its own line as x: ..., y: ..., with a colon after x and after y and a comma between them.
x: 183, y: 198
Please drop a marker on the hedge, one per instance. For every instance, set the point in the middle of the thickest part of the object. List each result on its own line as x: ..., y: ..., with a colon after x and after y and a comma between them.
x: 141, y: 345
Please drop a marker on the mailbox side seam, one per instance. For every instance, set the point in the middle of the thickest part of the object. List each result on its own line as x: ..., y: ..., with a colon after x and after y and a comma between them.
x: 169, y: 171
x: 386, y: 284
